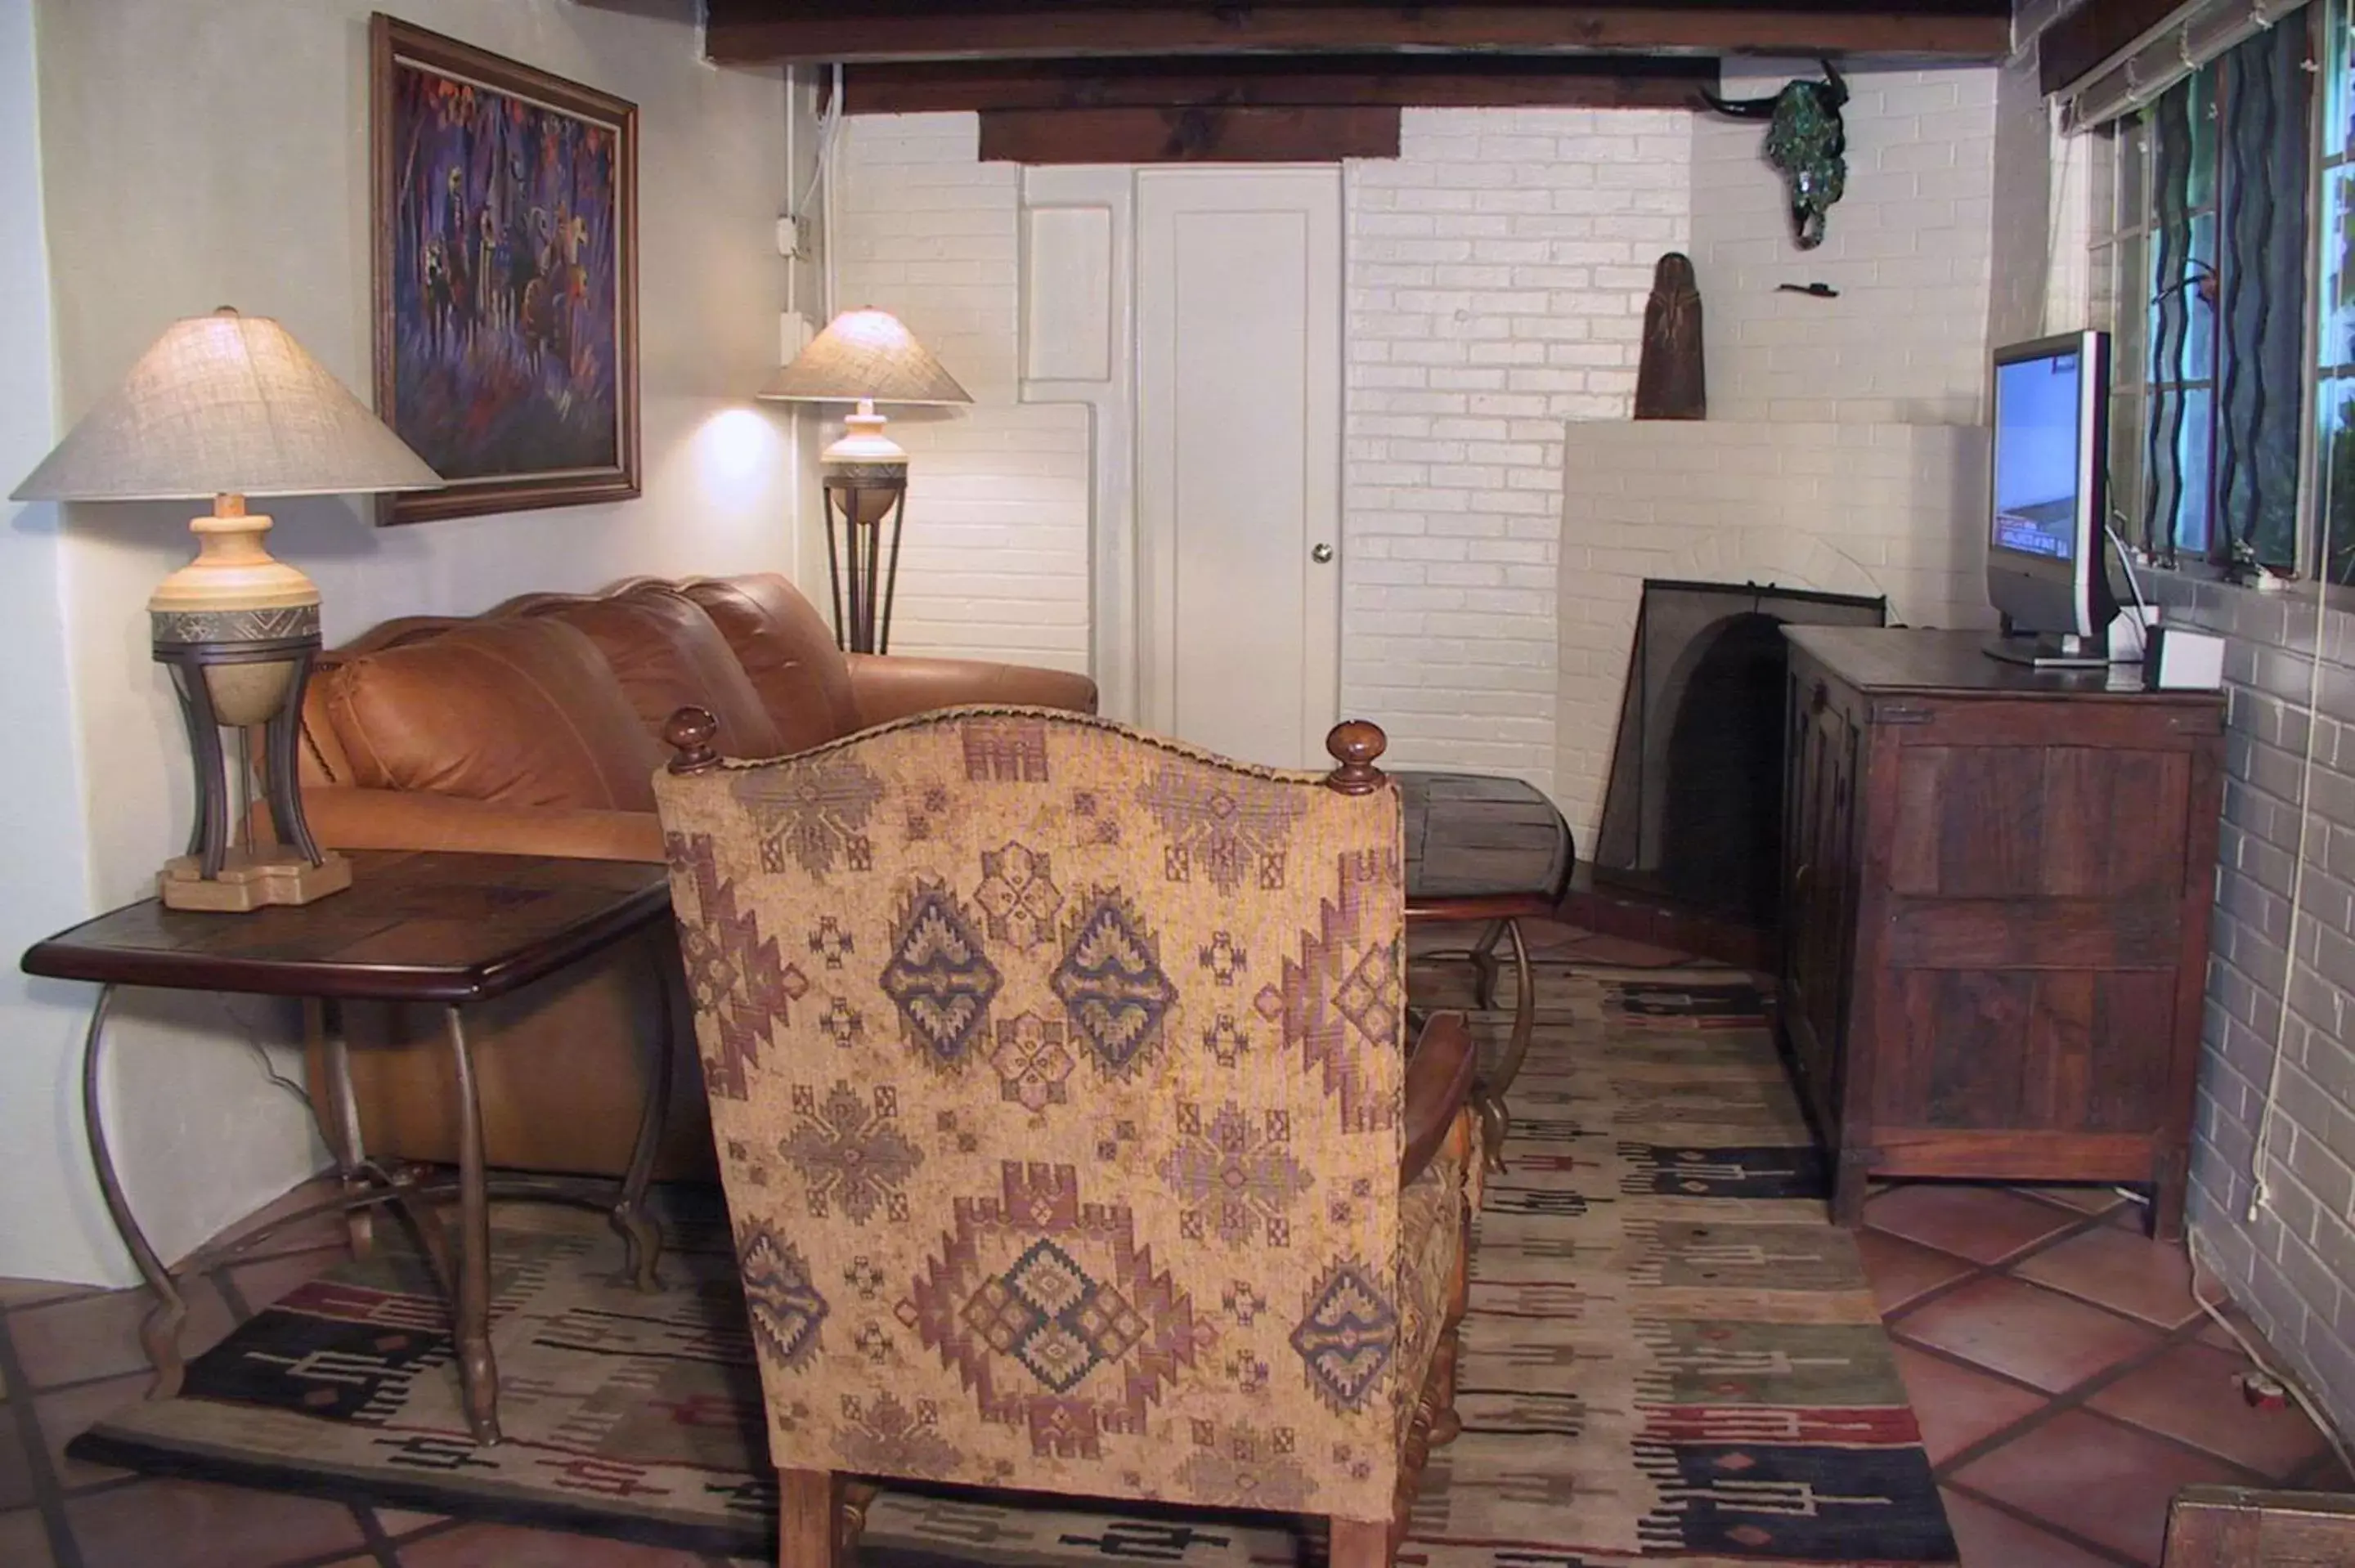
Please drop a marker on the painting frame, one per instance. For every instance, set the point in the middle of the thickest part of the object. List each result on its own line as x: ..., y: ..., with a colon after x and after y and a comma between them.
x: 503, y: 480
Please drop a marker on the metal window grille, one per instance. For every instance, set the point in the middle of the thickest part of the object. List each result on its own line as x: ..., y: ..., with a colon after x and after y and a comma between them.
x: 2208, y: 258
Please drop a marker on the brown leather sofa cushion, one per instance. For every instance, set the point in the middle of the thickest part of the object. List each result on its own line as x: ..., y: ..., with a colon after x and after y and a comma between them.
x: 522, y: 711
x: 668, y: 655
x: 788, y: 654
x: 896, y: 685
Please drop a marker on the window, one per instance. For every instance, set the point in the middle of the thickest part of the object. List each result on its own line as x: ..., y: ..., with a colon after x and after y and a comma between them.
x: 2334, y: 338
x: 2207, y: 260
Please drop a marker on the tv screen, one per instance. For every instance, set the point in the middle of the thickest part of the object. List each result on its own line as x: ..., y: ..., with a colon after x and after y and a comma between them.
x: 2038, y: 411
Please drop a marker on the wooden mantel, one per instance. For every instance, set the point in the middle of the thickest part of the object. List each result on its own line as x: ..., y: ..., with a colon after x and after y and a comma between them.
x: 769, y: 32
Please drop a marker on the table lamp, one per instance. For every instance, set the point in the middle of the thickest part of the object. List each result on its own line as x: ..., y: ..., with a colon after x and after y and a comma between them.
x: 230, y: 405
x: 867, y: 357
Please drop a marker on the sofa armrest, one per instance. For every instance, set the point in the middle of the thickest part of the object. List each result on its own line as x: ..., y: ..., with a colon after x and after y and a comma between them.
x: 343, y: 817
x: 893, y: 685
x: 1438, y: 1081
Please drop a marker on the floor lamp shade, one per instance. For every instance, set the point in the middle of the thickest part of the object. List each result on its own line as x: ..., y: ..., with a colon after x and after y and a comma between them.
x: 229, y: 405
x: 865, y: 356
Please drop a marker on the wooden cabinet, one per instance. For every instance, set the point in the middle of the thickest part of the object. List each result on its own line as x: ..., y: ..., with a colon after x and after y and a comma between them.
x: 1996, y: 890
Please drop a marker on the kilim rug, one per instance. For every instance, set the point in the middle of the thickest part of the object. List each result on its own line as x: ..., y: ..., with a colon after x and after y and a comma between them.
x: 1669, y: 1357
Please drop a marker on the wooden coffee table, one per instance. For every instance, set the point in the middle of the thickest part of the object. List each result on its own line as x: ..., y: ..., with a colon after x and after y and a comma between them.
x: 1479, y: 847
x: 413, y: 927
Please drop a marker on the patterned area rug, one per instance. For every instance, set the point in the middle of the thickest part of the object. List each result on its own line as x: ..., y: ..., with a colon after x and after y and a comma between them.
x: 1670, y: 1356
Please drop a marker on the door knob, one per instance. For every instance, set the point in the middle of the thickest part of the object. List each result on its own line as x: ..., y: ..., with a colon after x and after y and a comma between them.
x: 1321, y: 554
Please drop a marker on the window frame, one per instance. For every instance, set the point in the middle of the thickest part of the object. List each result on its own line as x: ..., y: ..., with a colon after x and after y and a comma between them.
x: 2325, y: 224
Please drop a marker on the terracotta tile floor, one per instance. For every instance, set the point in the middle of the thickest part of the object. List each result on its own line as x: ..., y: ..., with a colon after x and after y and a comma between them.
x: 2065, y: 1383
x: 65, y: 1357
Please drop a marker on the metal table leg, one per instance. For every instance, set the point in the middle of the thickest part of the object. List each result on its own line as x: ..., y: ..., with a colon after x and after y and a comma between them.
x: 478, y: 1373
x: 1495, y: 1117
x: 641, y: 1236
x: 323, y: 1027
x: 1484, y: 963
x: 159, y: 1334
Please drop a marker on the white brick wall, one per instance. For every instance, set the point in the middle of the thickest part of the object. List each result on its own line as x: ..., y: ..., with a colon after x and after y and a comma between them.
x: 1497, y: 270
x: 1837, y: 508
x: 1908, y: 246
x: 995, y: 559
x: 1840, y: 453
x: 1497, y: 274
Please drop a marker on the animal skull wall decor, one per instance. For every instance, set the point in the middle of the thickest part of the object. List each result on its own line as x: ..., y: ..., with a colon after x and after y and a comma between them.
x: 1805, y: 140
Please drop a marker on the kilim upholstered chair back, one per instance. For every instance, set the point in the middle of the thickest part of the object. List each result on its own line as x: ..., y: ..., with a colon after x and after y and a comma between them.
x: 1060, y: 1089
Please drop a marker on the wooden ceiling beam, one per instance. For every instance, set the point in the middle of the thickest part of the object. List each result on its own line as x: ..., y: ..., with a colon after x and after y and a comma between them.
x: 1429, y: 82
x: 2073, y: 48
x: 771, y: 32
x: 1227, y: 136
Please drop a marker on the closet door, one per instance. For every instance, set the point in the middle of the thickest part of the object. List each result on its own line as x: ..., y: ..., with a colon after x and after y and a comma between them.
x: 1238, y: 458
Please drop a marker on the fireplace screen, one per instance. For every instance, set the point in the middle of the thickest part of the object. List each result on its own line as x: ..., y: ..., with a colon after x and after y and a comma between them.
x: 1692, y: 813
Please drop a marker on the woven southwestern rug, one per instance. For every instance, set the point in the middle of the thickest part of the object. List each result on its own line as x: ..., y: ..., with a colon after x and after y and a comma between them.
x: 1670, y: 1356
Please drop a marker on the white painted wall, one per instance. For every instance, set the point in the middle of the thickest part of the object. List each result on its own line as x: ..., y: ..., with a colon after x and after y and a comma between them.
x: 196, y: 155
x: 51, y: 1222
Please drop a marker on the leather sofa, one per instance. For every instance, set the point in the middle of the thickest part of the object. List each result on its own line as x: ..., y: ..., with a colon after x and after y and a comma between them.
x: 534, y: 728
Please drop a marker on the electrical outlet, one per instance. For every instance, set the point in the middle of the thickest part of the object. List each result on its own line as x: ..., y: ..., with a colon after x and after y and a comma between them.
x: 2262, y: 1392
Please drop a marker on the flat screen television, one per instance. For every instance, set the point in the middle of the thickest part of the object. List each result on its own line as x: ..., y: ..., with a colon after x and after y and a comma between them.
x: 2049, y: 502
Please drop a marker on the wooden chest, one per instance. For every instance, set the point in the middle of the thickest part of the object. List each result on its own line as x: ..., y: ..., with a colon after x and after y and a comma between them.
x: 1995, y: 892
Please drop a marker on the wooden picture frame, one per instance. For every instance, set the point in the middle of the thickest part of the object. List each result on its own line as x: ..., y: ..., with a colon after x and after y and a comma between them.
x: 503, y: 230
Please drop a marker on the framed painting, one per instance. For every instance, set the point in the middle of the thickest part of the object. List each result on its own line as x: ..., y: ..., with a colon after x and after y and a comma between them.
x: 505, y: 222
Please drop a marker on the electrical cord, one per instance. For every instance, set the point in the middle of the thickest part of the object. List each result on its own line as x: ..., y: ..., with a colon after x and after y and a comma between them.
x: 251, y: 1040
x: 2290, y: 1384
x: 828, y: 123
x: 2260, y: 1190
x: 2142, y: 617
x: 829, y: 271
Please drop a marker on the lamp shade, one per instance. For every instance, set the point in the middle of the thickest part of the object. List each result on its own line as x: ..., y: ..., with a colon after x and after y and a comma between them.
x: 226, y: 404
x: 865, y: 354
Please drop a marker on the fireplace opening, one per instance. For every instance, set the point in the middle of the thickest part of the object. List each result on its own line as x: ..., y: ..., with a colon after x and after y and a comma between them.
x: 1721, y: 833
x: 1693, y: 815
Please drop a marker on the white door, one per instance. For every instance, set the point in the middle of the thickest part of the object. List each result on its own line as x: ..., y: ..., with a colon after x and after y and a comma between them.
x: 1238, y: 458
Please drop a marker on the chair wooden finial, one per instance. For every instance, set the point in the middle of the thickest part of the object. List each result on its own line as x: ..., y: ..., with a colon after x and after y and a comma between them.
x: 690, y: 731
x: 1354, y: 744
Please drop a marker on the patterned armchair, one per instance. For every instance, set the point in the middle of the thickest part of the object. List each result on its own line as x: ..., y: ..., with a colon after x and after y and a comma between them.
x: 1070, y: 1139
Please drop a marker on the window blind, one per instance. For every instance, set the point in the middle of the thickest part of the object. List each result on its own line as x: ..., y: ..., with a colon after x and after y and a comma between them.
x: 2191, y: 37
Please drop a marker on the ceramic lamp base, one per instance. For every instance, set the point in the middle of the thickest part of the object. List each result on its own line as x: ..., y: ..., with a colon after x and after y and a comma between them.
x: 249, y: 880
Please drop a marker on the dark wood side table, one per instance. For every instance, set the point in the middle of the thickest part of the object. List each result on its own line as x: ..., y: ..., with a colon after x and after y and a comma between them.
x: 1481, y: 847
x: 413, y: 927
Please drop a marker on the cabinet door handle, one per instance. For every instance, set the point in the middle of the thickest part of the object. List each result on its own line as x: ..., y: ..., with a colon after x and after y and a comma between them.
x: 1820, y: 700
x: 1800, y: 877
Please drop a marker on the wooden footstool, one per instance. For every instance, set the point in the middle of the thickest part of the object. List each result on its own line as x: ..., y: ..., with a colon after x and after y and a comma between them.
x: 1479, y: 847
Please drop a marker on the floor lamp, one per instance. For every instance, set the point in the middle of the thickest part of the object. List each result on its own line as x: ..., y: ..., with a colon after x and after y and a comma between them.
x: 229, y: 407
x: 864, y: 356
